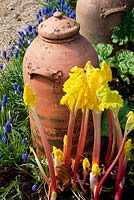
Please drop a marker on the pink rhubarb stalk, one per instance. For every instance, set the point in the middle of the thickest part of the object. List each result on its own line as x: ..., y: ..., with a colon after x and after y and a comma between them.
x: 70, y: 134
x: 97, y: 137
x: 96, y: 197
x: 81, y: 142
x: 41, y: 169
x: 47, y: 151
x: 110, y: 138
x: 119, y: 141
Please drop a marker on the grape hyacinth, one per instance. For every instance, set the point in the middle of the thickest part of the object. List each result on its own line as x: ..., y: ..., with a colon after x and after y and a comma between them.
x: 53, y: 6
x: 24, y: 157
x: 1, y: 66
x: 4, y: 54
x: 3, y: 102
x: 23, y: 142
x: 34, y: 187
x: 7, y: 128
x: 4, y: 139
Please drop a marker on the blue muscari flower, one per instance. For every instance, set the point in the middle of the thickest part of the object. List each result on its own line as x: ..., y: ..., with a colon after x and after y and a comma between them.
x: 21, y: 94
x: 4, y: 101
x: 72, y: 15
x: 10, y: 120
x: 44, y: 11
x: 65, y: 6
x: 39, y: 12
x: 34, y: 187
x: 4, y: 54
x: 23, y: 142
x: 40, y: 20
x: 4, y: 139
x: 11, y: 53
x: 12, y: 48
x: 1, y: 66
x: 58, y: 1
x: 19, y: 43
x: 15, y: 86
x: 53, y: 10
x: 35, y: 30
x: 1, y: 135
x: 24, y: 157
x: 29, y: 41
x: 19, y: 89
x: 37, y: 16
x: 21, y: 33
x: 26, y: 32
x: 29, y: 27
x: 7, y: 127
x: 16, y: 53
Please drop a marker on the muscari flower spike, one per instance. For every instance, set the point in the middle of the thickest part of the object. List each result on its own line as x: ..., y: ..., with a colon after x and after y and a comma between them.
x: 34, y: 187
x: 7, y: 128
x: 4, y: 139
x: 23, y: 142
x: 24, y: 157
x: 1, y: 66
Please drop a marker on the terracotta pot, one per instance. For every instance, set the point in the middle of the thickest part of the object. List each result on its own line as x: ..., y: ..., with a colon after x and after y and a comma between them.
x: 97, y: 17
x: 47, y: 62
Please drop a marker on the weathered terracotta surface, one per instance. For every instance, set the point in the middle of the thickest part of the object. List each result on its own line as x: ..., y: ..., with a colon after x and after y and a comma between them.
x: 97, y: 17
x: 46, y: 65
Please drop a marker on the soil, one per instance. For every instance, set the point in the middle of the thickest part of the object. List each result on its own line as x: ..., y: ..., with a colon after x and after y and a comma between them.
x: 14, y: 16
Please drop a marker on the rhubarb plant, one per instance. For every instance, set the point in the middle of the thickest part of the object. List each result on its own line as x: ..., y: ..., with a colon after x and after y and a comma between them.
x: 86, y: 90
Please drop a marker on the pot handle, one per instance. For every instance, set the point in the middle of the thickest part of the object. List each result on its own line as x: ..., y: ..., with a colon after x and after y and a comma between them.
x: 54, y: 76
x: 104, y: 12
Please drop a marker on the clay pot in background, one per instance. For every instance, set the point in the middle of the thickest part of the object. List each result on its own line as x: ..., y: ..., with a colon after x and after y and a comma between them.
x: 97, y: 17
x: 47, y: 62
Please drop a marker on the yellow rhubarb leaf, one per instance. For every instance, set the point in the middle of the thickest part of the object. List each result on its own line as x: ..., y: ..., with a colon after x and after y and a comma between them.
x: 127, y: 147
x: 85, y: 164
x: 105, y: 68
x: 58, y: 156
x: 96, y: 170
x: 29, y: 96
x: 130, y: 122
x: 109, y: 99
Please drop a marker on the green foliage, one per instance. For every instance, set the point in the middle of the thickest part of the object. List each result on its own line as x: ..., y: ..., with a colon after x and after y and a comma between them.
x: 103, y: 51
x: 124, y: 33
x: 72, y: 3
x: 124, y: 62
x: 12, y: 191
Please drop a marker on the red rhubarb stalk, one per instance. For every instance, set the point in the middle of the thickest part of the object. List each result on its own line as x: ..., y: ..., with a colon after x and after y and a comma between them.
x: 81, y: 142
x: 109, y: 169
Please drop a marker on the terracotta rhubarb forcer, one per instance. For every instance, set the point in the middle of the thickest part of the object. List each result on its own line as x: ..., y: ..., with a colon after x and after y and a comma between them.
x: 47, y: 62
x: 97, y: 17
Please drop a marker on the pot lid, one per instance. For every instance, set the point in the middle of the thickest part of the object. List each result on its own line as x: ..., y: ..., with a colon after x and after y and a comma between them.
x: 58, y: 27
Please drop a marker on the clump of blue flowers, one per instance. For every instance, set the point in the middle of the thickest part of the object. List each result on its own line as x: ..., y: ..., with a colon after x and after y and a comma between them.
x: 51, y: 6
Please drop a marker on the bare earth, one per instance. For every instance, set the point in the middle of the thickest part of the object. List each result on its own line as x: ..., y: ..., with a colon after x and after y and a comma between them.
x: 14, y: 16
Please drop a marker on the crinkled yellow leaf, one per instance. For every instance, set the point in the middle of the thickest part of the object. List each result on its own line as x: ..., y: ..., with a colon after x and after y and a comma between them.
x: 29, y: 96
x: 110, y: 99
x: 127, y: 147
x: 85, y: 163
x: 96, y: 170
x: 105, y: 68
x: 58, y: 156
x: 130, y: 122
